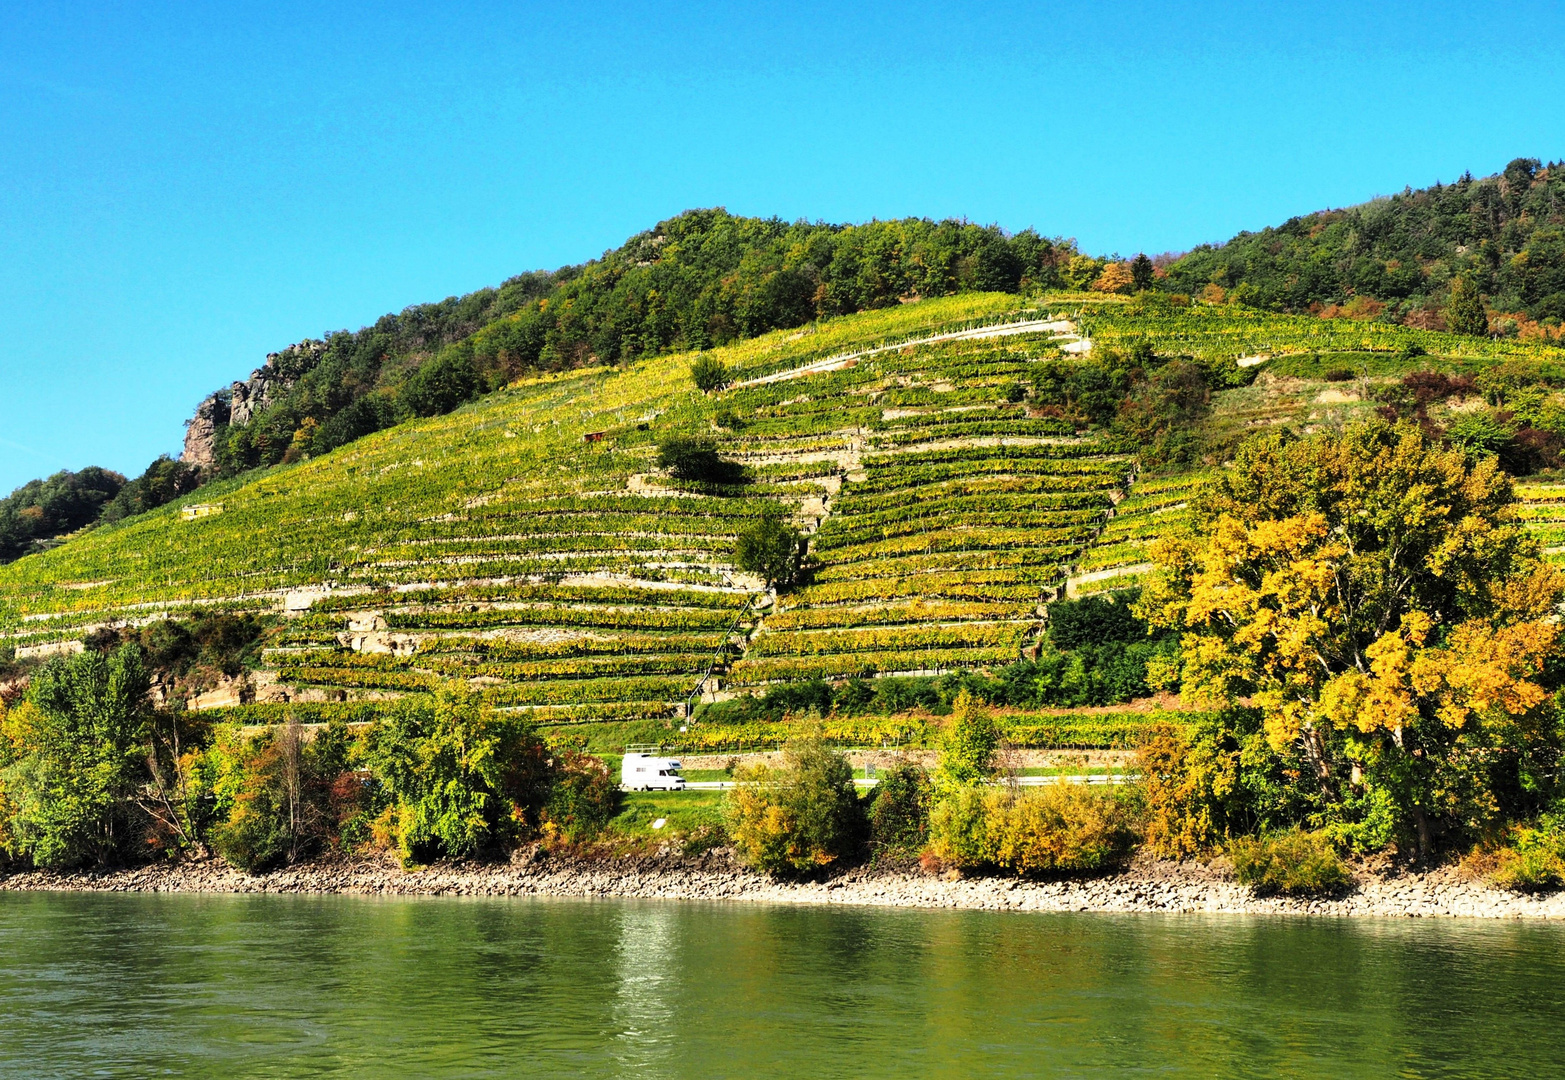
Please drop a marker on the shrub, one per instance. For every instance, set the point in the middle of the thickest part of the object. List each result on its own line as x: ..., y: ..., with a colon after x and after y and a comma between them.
x: 1339, y: 374
x: 800, y: 816
x: 1093, y: 621
x: 583, y: 798
x: 899, y: 815
x: 1533, y: 860
x: 1061, y: 827
x: 1055, y: 828
x: 968, y: 744
x: 959, y: 826
x: 688, y: 457
x: 1183, y: 785
x: 276, y: 796
x: 773, y: 549
x: 1292, y: 863
x: 708, y: 373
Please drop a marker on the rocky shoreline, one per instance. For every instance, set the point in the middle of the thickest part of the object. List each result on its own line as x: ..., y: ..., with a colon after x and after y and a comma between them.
x: 1146, y: 887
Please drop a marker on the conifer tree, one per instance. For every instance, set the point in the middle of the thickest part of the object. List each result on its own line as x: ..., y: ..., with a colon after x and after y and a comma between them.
x: 1464, y: 312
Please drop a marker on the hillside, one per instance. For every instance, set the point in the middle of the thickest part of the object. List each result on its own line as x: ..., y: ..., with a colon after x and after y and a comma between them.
x: 705, y: 278
x: 1396, y: 257
x: 941, y: 454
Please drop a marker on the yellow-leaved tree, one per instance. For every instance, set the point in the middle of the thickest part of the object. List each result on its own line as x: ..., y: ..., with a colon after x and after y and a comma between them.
x: 1372, y: 592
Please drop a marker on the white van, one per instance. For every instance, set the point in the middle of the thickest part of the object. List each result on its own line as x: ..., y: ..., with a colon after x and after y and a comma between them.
x: 648, y: 772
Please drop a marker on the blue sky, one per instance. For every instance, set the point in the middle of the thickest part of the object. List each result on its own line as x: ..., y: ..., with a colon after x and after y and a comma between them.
x: 185, y: 187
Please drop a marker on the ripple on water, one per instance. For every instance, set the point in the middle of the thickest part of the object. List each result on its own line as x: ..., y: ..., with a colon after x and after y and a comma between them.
x: 273, y: 986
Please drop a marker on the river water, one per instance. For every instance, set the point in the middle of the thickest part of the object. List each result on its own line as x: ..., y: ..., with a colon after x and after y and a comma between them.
x: 140, y: 985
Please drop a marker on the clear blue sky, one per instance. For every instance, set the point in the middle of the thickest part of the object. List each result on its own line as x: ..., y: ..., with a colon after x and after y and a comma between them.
x: 185, y: 187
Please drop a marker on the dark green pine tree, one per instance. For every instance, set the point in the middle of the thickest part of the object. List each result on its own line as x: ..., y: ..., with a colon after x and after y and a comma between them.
x: 1141, y: 272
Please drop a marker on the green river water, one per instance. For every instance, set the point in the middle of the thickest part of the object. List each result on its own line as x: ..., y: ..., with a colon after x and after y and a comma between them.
x: 127, y: 985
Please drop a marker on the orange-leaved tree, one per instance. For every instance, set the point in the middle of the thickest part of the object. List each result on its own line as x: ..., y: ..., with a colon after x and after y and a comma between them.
x: 1372, y: 592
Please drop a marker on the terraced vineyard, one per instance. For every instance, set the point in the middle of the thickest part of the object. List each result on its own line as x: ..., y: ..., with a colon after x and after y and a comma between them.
x: 1118, y: 557
x: 949, y: 521
x: 1543, y: 509
x: 527, y: 546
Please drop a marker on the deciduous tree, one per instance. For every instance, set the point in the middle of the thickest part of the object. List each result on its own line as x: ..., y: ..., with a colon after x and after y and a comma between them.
x: 1373, y: 593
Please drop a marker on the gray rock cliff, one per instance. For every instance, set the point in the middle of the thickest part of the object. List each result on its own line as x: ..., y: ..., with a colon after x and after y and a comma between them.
x: 242, y: 401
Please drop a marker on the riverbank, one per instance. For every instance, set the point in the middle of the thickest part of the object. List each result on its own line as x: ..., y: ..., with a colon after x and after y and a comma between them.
x: 1149, y: 886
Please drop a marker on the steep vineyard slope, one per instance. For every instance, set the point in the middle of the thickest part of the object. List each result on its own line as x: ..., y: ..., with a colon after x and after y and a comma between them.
x: 528, y: 547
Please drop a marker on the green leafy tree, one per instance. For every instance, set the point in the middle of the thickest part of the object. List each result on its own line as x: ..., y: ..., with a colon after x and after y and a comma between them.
x: 41, y: 510
x: 968, y: 745
x: 75, y: 759
x: 709, y: 373
x: 772, y: 549
x: 461, y: 779
x: 1464, y: 312
x: 691, y: 457
x: 440, y: 385
x: 163, y: 481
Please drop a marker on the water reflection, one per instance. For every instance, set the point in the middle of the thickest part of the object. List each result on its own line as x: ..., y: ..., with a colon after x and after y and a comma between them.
x: 648, y: 970
x: 284, y: 987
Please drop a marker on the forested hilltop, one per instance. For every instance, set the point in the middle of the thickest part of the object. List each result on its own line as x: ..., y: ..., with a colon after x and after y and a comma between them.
x: 705, y: 278
x: 1480, y: 256
x: 1398, y: 258
x: 699, y: 280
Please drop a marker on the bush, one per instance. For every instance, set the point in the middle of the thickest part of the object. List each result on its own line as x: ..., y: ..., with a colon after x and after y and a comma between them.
x: 708, y: 373
x: 1093, y: 620
x: 798, y: 817
x: 1533, y: 860
x: 1292, y: 863
x: 276, y: 796
x: 899, y: 815
x: 959, y: 826
x: 1050, y: 829
x: 1183, y: 783
x: 461, y: 779
x: 583, y: 798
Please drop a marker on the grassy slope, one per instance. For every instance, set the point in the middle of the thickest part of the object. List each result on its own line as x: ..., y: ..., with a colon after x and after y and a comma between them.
x: 563, y: 576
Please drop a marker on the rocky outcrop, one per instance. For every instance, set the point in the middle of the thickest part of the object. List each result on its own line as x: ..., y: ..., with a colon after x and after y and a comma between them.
x: 241, y: 402
x: 226, y: 694
x: 201, y: 433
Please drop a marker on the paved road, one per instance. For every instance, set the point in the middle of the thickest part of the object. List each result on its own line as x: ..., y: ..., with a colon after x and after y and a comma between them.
x: 1024, y: 781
